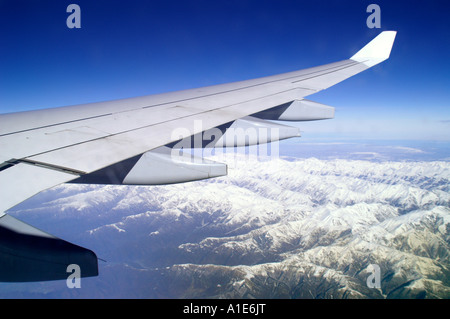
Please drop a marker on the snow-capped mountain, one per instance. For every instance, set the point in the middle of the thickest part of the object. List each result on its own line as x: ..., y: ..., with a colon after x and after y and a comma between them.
x: 286, y: 228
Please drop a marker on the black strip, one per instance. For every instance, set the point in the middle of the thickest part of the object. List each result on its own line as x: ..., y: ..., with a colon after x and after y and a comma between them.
x: 6, y: 165
x: 53, y: 167
x: 12, y: 162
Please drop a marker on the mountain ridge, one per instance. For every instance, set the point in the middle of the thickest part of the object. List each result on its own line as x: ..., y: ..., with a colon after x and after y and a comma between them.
x: 273, y: 228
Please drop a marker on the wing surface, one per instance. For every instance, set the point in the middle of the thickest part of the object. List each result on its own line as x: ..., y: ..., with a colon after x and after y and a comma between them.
x: 129, y: 141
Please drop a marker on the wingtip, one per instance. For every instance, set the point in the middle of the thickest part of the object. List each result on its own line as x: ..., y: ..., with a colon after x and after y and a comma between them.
x: 377, y: 50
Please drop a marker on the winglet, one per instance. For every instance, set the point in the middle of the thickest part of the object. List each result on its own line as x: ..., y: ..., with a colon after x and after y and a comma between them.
x: 377, y: 50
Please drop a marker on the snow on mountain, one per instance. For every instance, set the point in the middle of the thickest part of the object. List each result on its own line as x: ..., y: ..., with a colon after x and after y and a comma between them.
x: 302, y: 228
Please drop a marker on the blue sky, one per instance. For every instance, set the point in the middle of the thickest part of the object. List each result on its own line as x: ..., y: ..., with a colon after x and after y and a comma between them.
x: 132, y: 48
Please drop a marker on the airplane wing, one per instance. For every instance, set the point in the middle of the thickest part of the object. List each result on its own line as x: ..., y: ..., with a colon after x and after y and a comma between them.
x: 134, y: 142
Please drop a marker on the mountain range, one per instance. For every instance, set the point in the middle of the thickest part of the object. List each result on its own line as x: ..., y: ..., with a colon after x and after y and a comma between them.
x: 273, y: 228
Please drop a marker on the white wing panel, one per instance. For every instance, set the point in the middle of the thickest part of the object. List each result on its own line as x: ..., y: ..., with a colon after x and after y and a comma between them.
x: 22, y: 181
x: 38, y: 141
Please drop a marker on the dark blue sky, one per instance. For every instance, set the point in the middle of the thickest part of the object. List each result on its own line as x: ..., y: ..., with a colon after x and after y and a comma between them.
x: 132, y: 48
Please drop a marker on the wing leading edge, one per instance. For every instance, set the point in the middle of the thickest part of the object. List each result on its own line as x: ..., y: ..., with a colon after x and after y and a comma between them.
x: 131, y: 141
